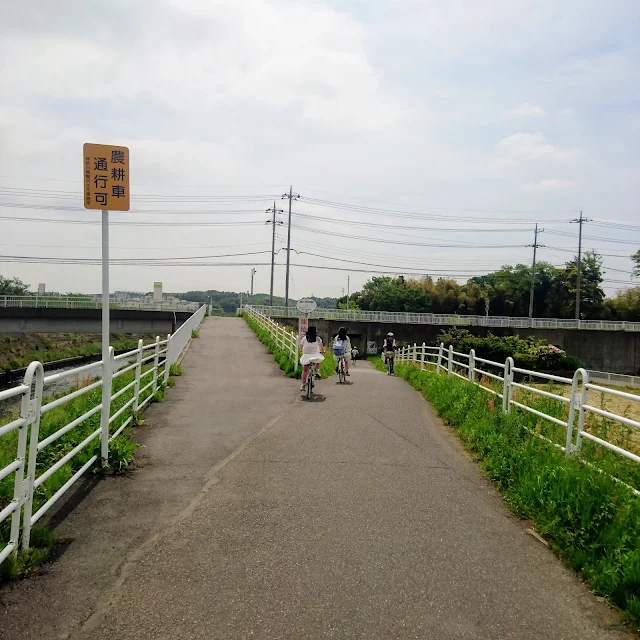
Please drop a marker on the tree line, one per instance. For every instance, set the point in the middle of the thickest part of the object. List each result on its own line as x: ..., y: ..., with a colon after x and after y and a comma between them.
x: 506, y: 292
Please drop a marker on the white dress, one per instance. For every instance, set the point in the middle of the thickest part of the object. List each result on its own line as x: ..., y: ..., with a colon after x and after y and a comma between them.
x: 310, y: 351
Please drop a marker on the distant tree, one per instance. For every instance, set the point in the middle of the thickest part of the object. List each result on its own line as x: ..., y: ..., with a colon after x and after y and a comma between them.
x: 636, y: 263
x: 13, y: 287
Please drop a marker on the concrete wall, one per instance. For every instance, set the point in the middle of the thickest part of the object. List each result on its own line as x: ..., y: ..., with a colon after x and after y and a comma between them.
x: 612, y: 351
x: 16, y: 320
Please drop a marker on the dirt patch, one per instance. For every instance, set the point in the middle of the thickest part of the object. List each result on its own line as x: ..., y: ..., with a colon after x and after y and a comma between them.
x: 17, y: 350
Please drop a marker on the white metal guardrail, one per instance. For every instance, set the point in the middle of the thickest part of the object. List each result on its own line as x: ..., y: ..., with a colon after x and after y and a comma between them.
x: 70, y: 302
x: 150, y: 364
x: 285, y: 339
x: 470, y: 367
x: 617, y: 379
x: 449, y: 319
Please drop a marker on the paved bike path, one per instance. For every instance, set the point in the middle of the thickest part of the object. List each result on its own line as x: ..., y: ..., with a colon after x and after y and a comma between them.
x: 355, y: 516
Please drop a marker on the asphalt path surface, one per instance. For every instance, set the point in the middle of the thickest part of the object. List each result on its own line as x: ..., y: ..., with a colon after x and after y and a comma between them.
x: 259, y: 514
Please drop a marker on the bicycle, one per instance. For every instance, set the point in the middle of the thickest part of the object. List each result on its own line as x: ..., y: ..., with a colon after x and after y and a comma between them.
x: 311, y: 376
x: 389, y: 365
x: 342, y: 370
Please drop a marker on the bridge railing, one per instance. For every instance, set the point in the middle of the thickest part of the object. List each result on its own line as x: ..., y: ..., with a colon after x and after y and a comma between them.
x: 80, y: 302
x: 31, y: 455
x: 352, y: 315
x: 578, y: 395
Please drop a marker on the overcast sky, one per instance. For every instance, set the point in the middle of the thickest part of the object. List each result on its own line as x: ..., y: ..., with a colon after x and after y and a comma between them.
x: 455, y: 115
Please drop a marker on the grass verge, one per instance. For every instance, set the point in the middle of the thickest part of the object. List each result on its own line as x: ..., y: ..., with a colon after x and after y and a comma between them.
x: 283, y: 358
x: 589, y: 520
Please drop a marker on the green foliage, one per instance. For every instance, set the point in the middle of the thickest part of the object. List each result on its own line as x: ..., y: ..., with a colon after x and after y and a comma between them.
x: 504, y: 292
x: 28, y: 562
x: 635, y: 258
x: 589, y: 519
x: 228, y: 302
x: 175, y: 369
x: 121, y: 452
x: 14, y: 355
x: 194, y: 334
x: 13, y: 287
x: 327, y: 368
x: 527, y: 353
x: 171, y: 382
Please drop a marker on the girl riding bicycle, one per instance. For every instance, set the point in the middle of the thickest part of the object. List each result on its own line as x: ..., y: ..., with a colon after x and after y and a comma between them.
x: 311, y: 347
x: 342, y: 348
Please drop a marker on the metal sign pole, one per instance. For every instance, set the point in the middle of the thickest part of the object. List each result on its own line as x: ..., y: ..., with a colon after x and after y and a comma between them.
x: 106, y: 373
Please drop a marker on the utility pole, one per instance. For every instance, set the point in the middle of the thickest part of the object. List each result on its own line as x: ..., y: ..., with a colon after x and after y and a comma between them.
x: 579, y: 220
x: 291, y: 196
x: 253, y: 273
x: 274, y: 221
x: 535, y: 246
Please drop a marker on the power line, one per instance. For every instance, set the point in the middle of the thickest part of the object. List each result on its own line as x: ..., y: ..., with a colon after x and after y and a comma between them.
x: 134, y: 223
x: 415, y: 244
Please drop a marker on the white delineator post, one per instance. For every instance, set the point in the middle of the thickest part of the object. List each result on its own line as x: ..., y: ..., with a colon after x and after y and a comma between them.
x: 106, y: 370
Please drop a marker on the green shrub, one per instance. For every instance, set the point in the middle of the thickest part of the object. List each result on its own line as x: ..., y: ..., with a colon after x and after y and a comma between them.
x: 175, y: 369
x: 527, y: 353
x: 194, y: 334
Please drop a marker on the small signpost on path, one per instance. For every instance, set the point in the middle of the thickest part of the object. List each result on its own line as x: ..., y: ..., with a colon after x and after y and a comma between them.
x: 305, y: 306
x: 106, y: 186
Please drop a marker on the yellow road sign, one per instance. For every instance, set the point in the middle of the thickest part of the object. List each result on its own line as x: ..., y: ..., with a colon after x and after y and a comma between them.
x: 106, y: 177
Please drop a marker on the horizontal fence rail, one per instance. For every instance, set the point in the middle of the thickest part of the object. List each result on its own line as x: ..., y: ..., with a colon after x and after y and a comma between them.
x: 70, y: 302
x: 449, y: 319
x: 146, y: 369
x: 483, y: 372
x: 285, y: 339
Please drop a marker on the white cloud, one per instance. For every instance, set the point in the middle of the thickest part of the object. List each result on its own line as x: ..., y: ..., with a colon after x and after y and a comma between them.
x: 526, y: 110
x: 309, y: 58
x: 552, y: 184
x: 532, y: 146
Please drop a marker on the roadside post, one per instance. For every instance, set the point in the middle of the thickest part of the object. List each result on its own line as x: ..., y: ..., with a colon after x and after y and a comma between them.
x: 106, y: 187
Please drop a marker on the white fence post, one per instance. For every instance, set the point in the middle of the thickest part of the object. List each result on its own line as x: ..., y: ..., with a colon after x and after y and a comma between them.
x: 156, y: 360
x: 136, y: 388
x: 424, y: 350
x: 167, y: 362
x: 507, y: 389
x: 472, y: 364
x: 30, y: 410
x: 580, y: 373
x: 107, y: 379
x: 440, y: 350
x: 450, y: 360
x: 581, y: 415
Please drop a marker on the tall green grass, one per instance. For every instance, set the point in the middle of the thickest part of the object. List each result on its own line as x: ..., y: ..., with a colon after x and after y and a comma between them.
x: 283, y: 358
x: 589, y: 519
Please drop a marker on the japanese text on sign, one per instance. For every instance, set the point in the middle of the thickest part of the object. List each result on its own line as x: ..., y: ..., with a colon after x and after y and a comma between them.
x: 106, y: 177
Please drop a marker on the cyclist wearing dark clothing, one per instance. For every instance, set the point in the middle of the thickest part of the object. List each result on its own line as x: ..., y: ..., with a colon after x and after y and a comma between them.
x: 389, y: 349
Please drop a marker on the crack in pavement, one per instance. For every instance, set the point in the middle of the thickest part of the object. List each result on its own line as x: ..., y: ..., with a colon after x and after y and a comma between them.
x: 124, y: 569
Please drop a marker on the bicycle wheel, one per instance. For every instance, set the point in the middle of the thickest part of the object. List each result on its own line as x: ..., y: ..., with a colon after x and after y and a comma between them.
x: 342, y: 377
x: 309, y: 385
x: 389, y: 366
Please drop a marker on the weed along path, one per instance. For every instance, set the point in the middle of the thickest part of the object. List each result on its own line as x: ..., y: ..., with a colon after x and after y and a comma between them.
x: 229, y: 391
x: 357, y: 517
